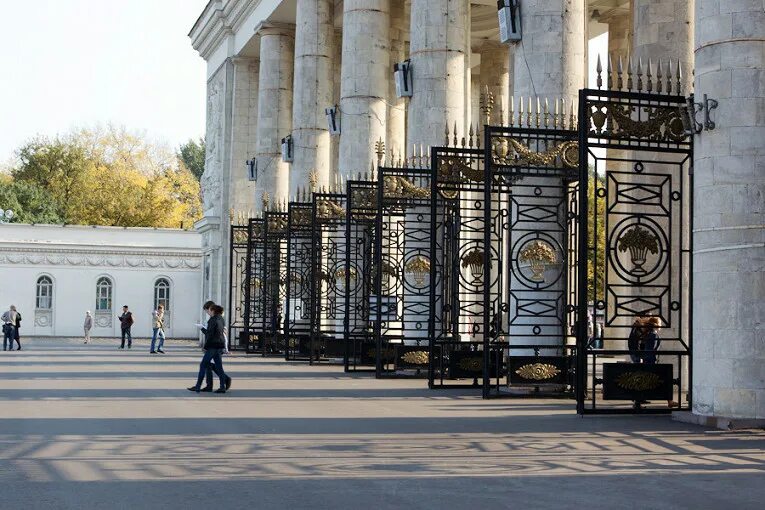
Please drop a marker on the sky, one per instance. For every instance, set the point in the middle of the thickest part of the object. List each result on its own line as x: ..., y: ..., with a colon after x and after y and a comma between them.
x: 79, y: 63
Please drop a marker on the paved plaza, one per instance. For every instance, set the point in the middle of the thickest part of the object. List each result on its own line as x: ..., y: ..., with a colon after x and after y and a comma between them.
x: 95, y: 427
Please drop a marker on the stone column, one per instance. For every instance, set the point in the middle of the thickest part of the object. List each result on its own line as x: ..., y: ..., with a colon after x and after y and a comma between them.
x: 396, y: 128
x: 244, y: 123
x: 495, y: 74
x: 664, y: 29
x: 551, y: 62
x: 439, y: 52
x: 336, y: 81
x: 365, y: 76
x: 312, y: 91
x: 274, y: 108
x: 729, y: 214
x: 619, y: 32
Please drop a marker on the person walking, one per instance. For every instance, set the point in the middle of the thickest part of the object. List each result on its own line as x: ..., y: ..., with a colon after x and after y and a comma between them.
x: 126, y: 322
x: 18, y: 326
x: 158, y: 329
x: 88, y: 325
x: 213, y: 347
x: 9, y: 328
x: 211, y: 366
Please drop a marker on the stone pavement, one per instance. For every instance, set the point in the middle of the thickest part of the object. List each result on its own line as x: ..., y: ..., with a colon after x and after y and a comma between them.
x: 94, y: 427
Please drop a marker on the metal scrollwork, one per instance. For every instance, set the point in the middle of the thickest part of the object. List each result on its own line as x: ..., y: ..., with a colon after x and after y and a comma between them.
x: 399, y: 187
x: 327, y: 210
x: 512, y: 152
x: 663, y: 123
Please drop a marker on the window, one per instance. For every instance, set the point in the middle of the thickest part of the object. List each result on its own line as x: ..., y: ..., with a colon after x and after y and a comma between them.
x: 162, y: 294
x: 44, y: 293
x: 104, y: 295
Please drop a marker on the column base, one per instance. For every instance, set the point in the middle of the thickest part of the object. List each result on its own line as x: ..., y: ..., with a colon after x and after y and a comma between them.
x: 718, y: 422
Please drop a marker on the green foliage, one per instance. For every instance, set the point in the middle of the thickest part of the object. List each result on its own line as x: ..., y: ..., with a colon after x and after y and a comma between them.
x: 192, y: 154
x: 29, y: 202
x: 110, y: 177
x: 596, y: 214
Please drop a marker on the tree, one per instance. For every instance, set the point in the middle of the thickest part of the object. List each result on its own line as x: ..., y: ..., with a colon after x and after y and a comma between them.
x: 110, y: 176
x: 192, y: 154
x: 29, y: 202
x: 596, y: 213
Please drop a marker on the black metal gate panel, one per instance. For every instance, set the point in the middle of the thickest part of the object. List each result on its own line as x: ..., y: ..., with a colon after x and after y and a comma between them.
x: 361, y: 214
x: 635, y: 186
x: 402, y: 265
x: 254, y: 311
x: 300, y: 261
x: 458, y: 275
x: 272, y: 340
x: 531, y: 224
x: 328, y: 279
x: 237, y: 277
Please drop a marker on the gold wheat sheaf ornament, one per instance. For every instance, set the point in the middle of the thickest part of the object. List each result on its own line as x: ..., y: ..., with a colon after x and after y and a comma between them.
x: 538, y: 371
x: 415, y: 357
x: 639, y: 381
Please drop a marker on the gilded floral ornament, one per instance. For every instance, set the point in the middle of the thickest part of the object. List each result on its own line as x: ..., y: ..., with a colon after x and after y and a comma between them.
x: 340, y: 274
x: 471, y: 364
x: 415, y: 357
x: 538, y: 371
x: 638, y: 381
x: 657, y: 123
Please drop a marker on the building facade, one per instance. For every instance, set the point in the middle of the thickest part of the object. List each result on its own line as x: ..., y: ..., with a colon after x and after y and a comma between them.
x: 275, y: 66
x: 54, y: 274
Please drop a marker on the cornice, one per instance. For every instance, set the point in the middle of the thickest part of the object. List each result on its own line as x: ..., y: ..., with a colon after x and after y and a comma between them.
x: 105, y: 258
x: 219, y: 20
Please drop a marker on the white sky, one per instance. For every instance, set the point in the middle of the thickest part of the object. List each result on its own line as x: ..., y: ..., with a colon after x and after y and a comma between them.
x: 76, y: 63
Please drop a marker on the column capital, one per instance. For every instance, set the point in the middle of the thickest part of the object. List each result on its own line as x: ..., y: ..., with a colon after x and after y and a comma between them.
x: 275, y: 28
x: 244, y: 60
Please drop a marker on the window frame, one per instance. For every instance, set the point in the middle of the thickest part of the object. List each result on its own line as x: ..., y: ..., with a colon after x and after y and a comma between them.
x: 44, y: 293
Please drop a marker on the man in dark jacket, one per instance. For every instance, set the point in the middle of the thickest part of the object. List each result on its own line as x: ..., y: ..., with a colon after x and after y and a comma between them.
x: 214, y: 346
x: 126, y: 322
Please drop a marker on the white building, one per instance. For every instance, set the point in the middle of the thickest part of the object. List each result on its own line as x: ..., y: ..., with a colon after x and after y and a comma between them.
x: 54, y: 274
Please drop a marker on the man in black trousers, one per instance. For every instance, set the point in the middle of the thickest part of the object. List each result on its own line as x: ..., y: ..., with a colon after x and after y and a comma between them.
x: 126, y: 322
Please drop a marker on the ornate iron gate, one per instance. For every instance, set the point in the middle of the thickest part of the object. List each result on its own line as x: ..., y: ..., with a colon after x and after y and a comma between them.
x: 300, y: 260
x: 254, y: 312
x: 328, y: 282
x: 531, y: 225
x: 637, y: 199
x: 361, y: 213
x: 401, y: 269
x: 274, y: 281
x: 237, y: 276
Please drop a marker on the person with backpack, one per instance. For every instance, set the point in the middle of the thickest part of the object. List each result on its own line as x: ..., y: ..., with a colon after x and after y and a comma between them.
x: 214, y: 344
x: 126, y: 322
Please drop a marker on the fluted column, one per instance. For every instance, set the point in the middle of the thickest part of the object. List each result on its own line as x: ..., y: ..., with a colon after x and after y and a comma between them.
x: 551, y: 62
x: 365, y: 76
x: 312, y: 92
x: 274, y: 108
x: 438, y: 50
x: 729, y: 214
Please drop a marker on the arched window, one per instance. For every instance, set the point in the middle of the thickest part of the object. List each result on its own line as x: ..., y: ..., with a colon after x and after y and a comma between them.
x: 44, y: 294
x: 162, y: 294
x: 104, y: 295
